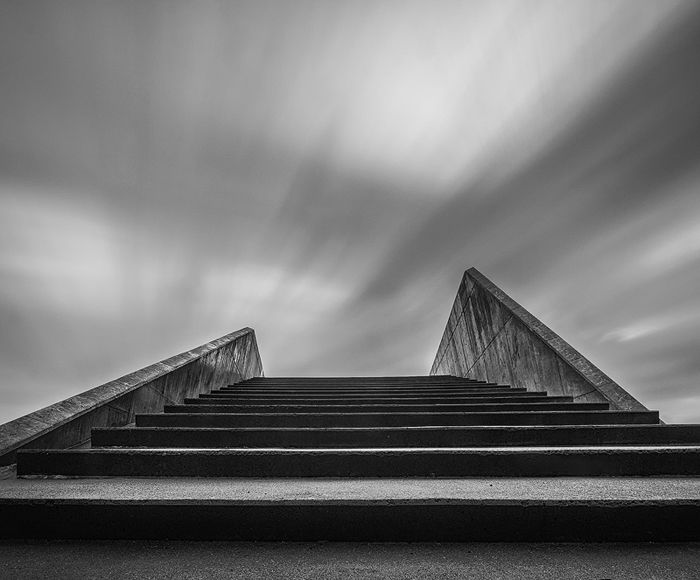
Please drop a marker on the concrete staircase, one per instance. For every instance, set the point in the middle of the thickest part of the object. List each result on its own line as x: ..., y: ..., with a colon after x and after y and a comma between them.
x: 431, y: 458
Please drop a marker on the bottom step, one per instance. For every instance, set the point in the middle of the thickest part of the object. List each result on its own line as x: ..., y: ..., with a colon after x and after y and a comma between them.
x: 519, y: 509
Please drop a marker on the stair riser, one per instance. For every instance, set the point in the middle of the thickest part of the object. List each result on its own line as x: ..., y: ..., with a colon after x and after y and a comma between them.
x: 506, y: 522
x: 384, y: 408
x: 394, y: 419
x: 478, y: 437
x: 360, y: 464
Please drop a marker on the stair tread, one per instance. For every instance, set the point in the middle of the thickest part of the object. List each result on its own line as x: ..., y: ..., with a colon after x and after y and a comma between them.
x: 331, y: 490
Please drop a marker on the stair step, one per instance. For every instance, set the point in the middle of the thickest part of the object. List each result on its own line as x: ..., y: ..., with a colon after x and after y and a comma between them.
x: 397, y: 462
x: 243, y: 401
x: 212, y: 437
x: 360, y: 392
x: 367, y: 388
x: 398, y: 510
x: 207, y: 398
x: 395, y: 419
x: 359, y: 380
x: 365, y: 395
x: 396, y: 408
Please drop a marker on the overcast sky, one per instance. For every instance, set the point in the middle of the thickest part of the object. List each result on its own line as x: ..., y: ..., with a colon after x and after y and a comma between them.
x: 324, y: 172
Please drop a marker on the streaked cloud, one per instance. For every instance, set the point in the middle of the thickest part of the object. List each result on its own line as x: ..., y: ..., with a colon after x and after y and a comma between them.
x: 324, y: 171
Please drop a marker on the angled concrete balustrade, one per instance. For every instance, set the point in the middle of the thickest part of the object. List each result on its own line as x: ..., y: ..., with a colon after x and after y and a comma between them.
x: 69, y: 423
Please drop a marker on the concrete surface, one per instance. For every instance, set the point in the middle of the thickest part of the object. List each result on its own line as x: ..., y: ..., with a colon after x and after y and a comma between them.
x: 305, y: 490
x: 346, y: 561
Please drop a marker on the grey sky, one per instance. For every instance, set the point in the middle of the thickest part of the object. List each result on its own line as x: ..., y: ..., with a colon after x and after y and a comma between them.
x: 324, y: 172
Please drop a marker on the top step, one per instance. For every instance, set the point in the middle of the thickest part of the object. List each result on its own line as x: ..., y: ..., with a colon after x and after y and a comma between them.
x: 397, y: 381
x: 360, y: 379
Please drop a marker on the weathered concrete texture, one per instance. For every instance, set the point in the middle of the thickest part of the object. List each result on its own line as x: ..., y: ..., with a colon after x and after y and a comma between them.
x: 126, y: 560
x: 67, y: 424
x: 491, y: 337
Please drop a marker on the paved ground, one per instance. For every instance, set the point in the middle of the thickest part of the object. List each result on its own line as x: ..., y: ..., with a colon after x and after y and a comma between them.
x: 225, y: 490
x: 343, y: 561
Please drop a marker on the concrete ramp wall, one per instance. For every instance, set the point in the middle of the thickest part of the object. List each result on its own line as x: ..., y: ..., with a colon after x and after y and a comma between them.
x: 490, y: 337
x: 67, y: 424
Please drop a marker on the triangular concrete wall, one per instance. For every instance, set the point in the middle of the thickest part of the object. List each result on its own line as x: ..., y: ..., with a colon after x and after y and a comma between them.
x: 490, y: 337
